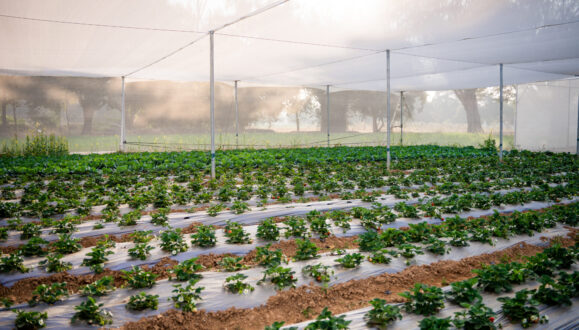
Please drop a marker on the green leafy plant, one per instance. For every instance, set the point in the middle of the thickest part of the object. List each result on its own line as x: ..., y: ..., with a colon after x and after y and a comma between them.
x: 278, y: 325
x: 553, y: 293
x: 235, y: 233
x: 34, y: 247
x: 92, y: 313
x: 186, y: 270
x: 436, y: 246
x: 327, y: 321
x: 239, y: 207
x: 380, y: 257
x: 215, y: 209
x: 351, y: 260
x: 268, y: 230
x: 29, y: 320
x: 160, y: 217
x: 464, y: 292
x: 281, y: 277
x: 96, y: 258
x: 306, y: 249
x: 477, y: 316
x: 172, y: 241
x: 142, y: 236
x: 235, y: 284
x: 521, y: 308
x: 268, y: 258
x: 140, y: 251
x: 66, y: 244
x: 204, y: 236
x: 98, y: 288
x: 12, y: 262
x: 54, y: 264
x: 494, y: 278
x: 435, y: 323
x: 423, y: 299
x: 320, y: 226
x: 296, y: 227
x: 186, y: 296
x: 409, y: 251
x: 370, y: 241
x: 382, y: 314
x: 143, y: 301
x: 49, y: 294
x: 232, y: 264
x: 30, y: 230
x: 319, y: 272
x: 138, y: 278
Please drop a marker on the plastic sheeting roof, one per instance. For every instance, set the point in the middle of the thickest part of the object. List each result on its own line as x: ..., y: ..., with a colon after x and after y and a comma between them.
x: 435, y: 44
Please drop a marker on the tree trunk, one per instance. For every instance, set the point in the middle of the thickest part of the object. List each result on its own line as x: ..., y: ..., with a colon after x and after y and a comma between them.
x: 298, y: 121
x: 468, y: 99
x: 88, y: 114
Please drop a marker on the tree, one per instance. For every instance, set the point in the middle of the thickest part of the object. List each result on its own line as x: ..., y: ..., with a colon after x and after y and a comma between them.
x: 471, y: 99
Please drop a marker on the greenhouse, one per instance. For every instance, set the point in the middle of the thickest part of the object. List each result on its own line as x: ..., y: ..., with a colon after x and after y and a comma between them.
x: 289, y: 164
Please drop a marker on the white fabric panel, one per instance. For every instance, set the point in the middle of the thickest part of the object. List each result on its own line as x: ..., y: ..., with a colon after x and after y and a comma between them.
x: 546, y: 117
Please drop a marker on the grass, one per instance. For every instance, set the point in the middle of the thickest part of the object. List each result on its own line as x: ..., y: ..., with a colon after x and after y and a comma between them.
x: 269, y: 140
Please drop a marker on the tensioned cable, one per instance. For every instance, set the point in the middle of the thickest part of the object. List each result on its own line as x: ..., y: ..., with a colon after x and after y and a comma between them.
x: 251, y: 14
x: 114, y: 26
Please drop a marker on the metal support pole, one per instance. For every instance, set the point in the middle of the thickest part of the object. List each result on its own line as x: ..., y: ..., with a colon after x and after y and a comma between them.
x: 577, y: 152
x: 212, y: 103
x: 328, y: 111
x: 388, y: 109
x: 401, y: 116
x: 122, y: 145
x: 501, y: 115
x: 236, y: 118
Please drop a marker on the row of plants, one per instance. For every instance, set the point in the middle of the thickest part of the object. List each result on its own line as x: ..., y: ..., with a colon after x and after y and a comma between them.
x: 69, y: 191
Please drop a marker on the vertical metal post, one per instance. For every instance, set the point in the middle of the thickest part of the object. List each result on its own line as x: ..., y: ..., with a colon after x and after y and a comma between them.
x: 388, y: 109
x: 236, y: 118
x: 577, y: 152
x: 122, y: 145
x: 212, y: 103
x: 401, y: 116
x: 501, y: 115
x: 328, y: 111
x: 516, y: 114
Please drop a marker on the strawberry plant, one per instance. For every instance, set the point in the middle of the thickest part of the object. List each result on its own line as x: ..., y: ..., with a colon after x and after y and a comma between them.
x: 34, y: 247
x: 296, y: 227
x: 566, y: 257
x: 571, y: 281
x: 521, y: 308
x: 393, y: 236
x: 138, y: 278
x: 186, y: 296
x: 341, y: 219
x: 478, y: 316
x: 236, y: 285
x: 140, y: 251
x: 66, y: 244
x: 96, y: 258
x: 306, y: 249
x: 12, y: 262
x: 143, y: 301
x: 423, y: 299
x: 327, y: 321
x: 320, y: 226
x: 553, y: 293
x: 65, y: 226
x: 407, y: 211
x: 204, y: 236
x: 91, y: 312
x: 382, y: 314
x: 3, y: 233
x: 369, y: 241
x: 351, y: 260
x: 142, y: 236
x: 281, y: 277
x: 160, y: 217
x: 186, y: 270
x: 268, y: 230
x: 268, y: 258
x: 172, y: 241
x: 98, y: 288
x: 319, y: 272
x: 235, y: 233
x: 458, y: 238
x: 239, y: 207
x: 380, y: 257
x: 435, y: 323
x: 29, y: 320
x: 409, y: 251
x: 494, y: 278
x: 436, y: 246
x: 464, y: 292
x: 30, y: 230
x: 541, y: 264
x: 232, y: 264
x: 54, y: 264
x: 213, y: 210
x: 49, y: 294
x: 130, y: 219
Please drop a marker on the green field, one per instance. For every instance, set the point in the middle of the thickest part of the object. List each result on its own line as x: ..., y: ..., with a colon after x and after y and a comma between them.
x: 270, y: 140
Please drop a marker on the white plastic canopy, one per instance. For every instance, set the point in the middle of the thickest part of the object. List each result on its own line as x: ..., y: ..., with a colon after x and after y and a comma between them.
x: 434, y: 44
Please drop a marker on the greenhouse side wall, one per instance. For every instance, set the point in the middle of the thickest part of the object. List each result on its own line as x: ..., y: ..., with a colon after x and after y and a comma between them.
x: 546, y: 116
